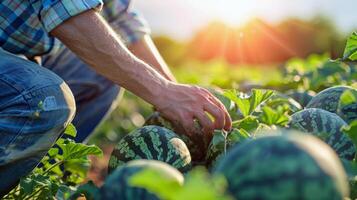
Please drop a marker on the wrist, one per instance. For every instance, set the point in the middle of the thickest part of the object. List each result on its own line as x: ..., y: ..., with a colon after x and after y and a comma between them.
x: 162, y: 98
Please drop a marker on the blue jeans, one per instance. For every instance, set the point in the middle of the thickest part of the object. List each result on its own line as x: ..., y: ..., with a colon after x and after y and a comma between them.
x: 95, y: 95
x: 36, y: 104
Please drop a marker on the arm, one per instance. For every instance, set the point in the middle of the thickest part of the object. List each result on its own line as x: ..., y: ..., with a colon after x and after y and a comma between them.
x: 146, y: 50
x: 135, y: 33
x: 90, y: 37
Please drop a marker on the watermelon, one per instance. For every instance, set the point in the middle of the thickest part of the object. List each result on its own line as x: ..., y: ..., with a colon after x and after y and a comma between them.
x: 196, y: 144
x: 329, y: 99
x: 151, y: 143
x: 327, y: 126
x: 302, y: 97
x: 117, y: 185
x: 288, y: 166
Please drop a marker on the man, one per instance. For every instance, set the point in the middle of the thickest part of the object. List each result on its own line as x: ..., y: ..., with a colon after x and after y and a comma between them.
x: 36, y: 100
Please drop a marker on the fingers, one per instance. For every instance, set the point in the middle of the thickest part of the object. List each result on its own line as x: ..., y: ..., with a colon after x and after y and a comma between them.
x: 227, y: 117
x: 227, y: 124
x: 205, y: 122
x: 217, y: 113
x: 192, y: 104
x: 228, y: 121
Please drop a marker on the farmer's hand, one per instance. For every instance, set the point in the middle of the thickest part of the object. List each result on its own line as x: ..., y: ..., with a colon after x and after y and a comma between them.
x: 181, y: 104
x: 102, y: 49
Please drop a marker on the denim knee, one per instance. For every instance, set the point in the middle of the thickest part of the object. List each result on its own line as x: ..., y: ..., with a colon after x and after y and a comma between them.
x: 54, y: 107
x: 36, y: 105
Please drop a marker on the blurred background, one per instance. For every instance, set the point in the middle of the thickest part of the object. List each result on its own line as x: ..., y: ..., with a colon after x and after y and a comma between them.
x: 229, y: 42
x: 249, y: 32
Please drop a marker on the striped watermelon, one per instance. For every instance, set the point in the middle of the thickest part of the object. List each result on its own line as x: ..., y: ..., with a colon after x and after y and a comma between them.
x: 151, y: 143
x: 329, y: 98
x: 326, y: 126
x: 196, y: 144
x: 291, y: 166
x: 302, y: 97
x: 117, y: 185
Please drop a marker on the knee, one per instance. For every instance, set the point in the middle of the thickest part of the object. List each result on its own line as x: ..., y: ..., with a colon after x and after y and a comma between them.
x: 54, y: 107
x: 69, y: 103
x: 34, y: 120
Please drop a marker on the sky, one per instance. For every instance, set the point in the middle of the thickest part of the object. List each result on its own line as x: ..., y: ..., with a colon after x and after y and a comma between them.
x: 182, y: 18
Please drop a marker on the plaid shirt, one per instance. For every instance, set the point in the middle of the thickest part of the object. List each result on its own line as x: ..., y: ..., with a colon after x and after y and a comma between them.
x: 25, y: 24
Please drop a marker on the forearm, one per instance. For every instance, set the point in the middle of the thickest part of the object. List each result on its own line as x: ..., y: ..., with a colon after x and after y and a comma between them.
x: 91, y: 39
x: 146, y: 50
x: 89, y: 36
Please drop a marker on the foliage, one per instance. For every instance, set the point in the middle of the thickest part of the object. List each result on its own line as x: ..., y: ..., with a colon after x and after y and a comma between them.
x: 348, y: 97
x: 351, y: 48
x: 198, y: 185
x: 251, y: 114
x: 60, y: 171
x: 271, y: 116
x: 351, y: 131
x: 247, y: 104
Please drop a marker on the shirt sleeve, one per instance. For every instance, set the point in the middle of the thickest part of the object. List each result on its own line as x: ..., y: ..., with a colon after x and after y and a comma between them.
x: 53, y: 12
x: 127, y: 23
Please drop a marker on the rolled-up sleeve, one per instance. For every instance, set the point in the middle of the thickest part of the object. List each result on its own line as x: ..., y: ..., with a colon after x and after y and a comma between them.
x: 53, y: 12
x: 130, y: 25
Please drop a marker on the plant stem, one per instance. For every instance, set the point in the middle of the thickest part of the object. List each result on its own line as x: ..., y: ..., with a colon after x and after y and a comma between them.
x: 53, y: 166
x: 34, y: 193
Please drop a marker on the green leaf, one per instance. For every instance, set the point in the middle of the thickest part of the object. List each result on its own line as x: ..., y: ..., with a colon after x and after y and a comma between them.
x: 273, y: 117
x: 218, y: 140
x: 71, y: 130
x: 263, y: 128
x: 247, y: 104
x: 348, y: 97
x: 223, y: 99
x: 332, y: 67
x: 163, y: 186
x: 217, y: 147
x: 72, y: 150
x: 351, y: 48
x: 200, y: 185
x: 297, y: 66
x: 249, y: 123
x: 351, y: 131
x: 37, y: 186
x: 53, y: 152
x: 284, y: 101
x: 78, y: 166
x: 347, y: 105
x: 237, y: 136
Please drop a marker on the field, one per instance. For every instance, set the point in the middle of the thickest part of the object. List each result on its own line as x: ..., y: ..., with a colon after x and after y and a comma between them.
x: 272, y: 108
